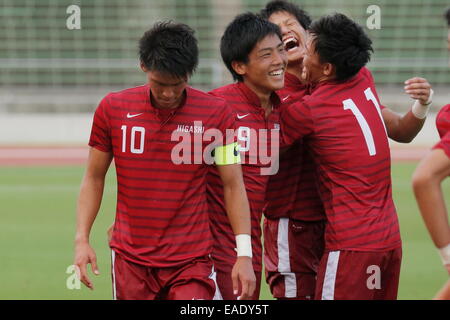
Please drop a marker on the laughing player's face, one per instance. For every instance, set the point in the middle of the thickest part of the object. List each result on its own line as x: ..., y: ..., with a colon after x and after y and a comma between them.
x: 264, y: 71
x: 294, y: 35
x: 167, y: 91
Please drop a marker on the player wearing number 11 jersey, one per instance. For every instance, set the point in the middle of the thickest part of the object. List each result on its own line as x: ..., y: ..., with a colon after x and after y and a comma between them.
x: 341, y: 123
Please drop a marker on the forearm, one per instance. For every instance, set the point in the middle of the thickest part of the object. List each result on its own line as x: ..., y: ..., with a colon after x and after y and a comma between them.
x: 237, y: 208
x: 89, y: 202
x: 411, y: 126
x: 404, y: 128
x: 434, y: 213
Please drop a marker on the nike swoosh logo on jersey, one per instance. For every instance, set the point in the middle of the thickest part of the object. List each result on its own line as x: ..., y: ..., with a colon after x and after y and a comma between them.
x: 285, y: 98
x: 243, y: 116
x: 133, y: 115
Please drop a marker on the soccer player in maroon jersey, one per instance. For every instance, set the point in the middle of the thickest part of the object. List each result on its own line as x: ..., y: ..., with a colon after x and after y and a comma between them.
x: 295, y: 218
x: 252, y: 50
x: 161, y: 240
x: 427, y: 181
x: 342, y: 124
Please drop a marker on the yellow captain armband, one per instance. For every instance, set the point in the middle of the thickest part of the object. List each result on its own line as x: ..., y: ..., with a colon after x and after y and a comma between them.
x: 228, y: 154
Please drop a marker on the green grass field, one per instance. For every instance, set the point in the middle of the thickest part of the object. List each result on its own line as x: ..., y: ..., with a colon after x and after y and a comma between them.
x: 37, y: 225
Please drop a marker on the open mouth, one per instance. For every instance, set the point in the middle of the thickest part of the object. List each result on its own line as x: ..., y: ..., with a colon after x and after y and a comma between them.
x: 290, y: 44
x: 276, y: 73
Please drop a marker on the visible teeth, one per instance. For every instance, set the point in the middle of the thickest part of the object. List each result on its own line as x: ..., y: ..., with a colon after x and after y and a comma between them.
x: 276, y: 73
x: 288, y: 39
x: 290, y: 43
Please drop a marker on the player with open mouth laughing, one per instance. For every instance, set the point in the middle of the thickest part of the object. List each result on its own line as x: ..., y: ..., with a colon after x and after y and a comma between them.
x: 295, y: 220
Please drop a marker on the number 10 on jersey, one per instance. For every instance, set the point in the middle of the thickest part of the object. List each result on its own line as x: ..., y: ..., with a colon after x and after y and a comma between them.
x: 133, y: 148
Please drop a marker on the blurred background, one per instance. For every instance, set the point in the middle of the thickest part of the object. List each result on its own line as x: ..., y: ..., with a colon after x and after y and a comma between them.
x: 48, y: 69
x: 52, y: 78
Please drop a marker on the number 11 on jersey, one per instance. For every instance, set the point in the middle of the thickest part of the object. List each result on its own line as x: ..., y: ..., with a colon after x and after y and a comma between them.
x: 368, y: 136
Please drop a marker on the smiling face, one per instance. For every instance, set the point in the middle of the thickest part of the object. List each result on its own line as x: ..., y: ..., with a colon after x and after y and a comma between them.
x: 264, y: 71
x: 293, y: 34
x: 167, y: 91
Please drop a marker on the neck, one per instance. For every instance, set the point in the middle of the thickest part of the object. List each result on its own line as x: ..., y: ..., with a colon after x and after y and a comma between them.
x: 295, y: 69
x: 263, y: 95
x: 325, y: 78
x: 175, y: 105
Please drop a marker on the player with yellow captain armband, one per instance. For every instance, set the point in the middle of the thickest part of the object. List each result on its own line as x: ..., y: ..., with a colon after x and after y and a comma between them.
x: 252, y: 50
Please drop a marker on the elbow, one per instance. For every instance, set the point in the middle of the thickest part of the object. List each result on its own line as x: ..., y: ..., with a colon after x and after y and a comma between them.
x: 421, y: 180
x: 402, y: 138
x: 407, y: 139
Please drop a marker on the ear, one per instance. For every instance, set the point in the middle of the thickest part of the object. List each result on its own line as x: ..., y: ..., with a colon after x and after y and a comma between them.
x: 143, y: 67
x: 328, y: 69
x: 239, y: 67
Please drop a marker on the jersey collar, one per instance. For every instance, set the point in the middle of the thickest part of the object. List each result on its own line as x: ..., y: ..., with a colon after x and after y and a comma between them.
x: 156, y: 110
x: 253, y: 99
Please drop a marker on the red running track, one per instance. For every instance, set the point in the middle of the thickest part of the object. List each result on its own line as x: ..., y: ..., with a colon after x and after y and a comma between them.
x: 60, y: 156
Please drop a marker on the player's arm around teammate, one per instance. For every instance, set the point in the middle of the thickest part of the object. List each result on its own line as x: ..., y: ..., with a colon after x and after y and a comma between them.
x: 88, y: 205
x: 294, y: 23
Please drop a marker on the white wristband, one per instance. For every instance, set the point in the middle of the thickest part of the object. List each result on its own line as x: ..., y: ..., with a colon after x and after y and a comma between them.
x: 445, y: 254
x: 419, y: 110
x: 244, y: 245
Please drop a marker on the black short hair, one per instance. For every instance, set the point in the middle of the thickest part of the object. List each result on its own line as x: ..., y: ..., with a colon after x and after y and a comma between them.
x: 342, y: 42
x: 241, y: 36
x: 279, y: 5
x: 169, y: 48
x: 447, y: 16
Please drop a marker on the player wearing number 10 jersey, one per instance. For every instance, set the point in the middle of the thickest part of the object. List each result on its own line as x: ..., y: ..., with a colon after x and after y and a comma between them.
x: 341, y: 123
x: 161, y: 240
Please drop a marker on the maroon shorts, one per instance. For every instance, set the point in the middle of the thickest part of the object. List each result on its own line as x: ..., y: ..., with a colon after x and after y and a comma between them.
x: 225, y: 285
x: 354, y: 275
x: 292, y: 252
x: 191, y: 281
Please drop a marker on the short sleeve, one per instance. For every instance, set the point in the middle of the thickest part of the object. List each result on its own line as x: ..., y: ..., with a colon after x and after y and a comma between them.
x: 444, y: 144
x: 296, y: 122
x: 443, y: 120
x: 225, y: 122
x: 101, y: 132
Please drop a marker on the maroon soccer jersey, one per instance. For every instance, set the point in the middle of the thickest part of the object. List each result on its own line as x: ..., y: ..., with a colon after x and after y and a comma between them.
x: 443, y: 120
x: 292, y: 86
x: 162, y: 216
x: 343, y: 125
x: 443, y: 126
x: 444, y: 144
x: 254, y: 133
x: 292, y: 192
